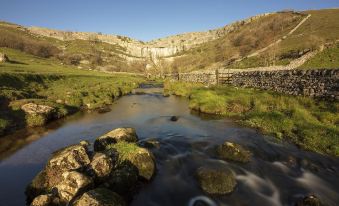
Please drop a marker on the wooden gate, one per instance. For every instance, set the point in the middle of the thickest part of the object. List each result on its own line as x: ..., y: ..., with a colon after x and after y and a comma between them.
x: 224, y: 77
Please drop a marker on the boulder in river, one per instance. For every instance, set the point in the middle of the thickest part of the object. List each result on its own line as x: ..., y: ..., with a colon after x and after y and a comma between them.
x: 216, y: 181
x: 174, y: 118
x: 73, y: 157
x: 234, y: 152
x: 100, y: 197
x: 73, y: 183
x: 116, y: 135
x: 124, y: 178
x: 140, y: 157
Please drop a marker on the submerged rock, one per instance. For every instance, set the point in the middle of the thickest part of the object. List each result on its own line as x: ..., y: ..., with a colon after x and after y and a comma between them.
x: 174, y: 118
x: 72, y: 184
x: 216, y: 181
x: 100, y: 197
x: 102, y: 165
x: 140, y: 157
x: 234, y: 152
x: 150, y: 144
x: 310, y: 200
x: 117, y: 135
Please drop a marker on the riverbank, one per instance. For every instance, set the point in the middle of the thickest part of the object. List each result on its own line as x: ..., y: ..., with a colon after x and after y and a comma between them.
x: 48, y: 85
x: 311, y: 124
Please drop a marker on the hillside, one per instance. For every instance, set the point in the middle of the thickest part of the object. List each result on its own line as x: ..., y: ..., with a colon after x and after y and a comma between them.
x: 260, y: 41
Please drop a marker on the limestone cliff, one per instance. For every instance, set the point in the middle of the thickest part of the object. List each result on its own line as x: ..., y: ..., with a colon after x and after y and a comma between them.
x: 164, y: 47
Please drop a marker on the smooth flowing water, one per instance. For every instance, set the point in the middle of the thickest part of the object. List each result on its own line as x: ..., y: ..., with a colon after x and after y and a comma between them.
x: 278, y: 174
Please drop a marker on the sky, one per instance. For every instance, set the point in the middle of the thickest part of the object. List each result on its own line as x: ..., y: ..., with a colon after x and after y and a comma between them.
x: 144, y: 19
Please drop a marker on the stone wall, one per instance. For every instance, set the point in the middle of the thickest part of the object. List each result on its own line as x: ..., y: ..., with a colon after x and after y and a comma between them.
x: 315, y: 83
x: 322, y: 83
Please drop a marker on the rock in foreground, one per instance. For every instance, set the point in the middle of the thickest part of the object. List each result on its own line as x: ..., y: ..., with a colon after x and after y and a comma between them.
x: 216, y: 181
x: 234, y: 152
x: 76, y: 175
x: 100, y: 197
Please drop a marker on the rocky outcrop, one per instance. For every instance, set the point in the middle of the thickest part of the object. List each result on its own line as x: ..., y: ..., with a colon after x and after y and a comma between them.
x: 216, y: 181
x: 76, y: 175
x: 164, y: 47
x: 117, y: 135
x: 234, y: 152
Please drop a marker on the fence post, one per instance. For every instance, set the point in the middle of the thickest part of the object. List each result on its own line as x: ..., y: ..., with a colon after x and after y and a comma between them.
x: 217, y: 76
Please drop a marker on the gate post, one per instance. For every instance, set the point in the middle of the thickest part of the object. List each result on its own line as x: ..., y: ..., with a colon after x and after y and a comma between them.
x: 217, y: 76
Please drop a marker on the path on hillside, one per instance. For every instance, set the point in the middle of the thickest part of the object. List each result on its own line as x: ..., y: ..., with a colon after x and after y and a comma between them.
x: 278, y: 41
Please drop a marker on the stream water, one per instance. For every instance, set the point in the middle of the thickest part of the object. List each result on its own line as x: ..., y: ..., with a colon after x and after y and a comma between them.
x: 278, y: 174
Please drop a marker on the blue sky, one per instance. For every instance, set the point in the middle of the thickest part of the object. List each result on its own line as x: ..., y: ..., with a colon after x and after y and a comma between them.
x: 143, y: 20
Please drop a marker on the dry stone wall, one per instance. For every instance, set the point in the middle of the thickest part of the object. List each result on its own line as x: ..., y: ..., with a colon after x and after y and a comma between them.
x: 315, y: 83
x: 323, y: 83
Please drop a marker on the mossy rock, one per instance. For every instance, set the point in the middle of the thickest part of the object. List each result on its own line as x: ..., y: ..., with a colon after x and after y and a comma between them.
x: 100, y: 197
x: 116, y: 135
x: 140, y: 157
x: 216, y: 181
x: 234, y: 152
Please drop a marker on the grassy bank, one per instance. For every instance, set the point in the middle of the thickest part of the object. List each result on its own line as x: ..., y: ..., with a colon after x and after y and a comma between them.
x: 27, y: 78
x: 310, y: 124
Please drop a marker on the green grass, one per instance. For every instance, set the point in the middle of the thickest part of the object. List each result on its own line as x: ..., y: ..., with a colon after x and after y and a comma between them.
x: 328, y: 58
x: 309, y: 123
x: 28, y: 78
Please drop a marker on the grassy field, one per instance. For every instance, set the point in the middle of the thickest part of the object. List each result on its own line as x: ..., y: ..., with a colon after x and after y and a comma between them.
x: 310, y: 124
x: 28, y: 78
x: 328, y: 58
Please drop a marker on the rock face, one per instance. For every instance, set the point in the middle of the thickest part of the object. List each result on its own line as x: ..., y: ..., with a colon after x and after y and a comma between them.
x: 77, y: 176
x: 234, y: 152
x: 3, y: 58
x: 117, y: 135
x: 100, y: 197
x: 216, y: 181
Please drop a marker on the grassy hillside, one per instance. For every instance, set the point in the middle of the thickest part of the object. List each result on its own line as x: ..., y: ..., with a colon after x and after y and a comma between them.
x: 28, y: 78
x: 309, y: 123
x: 321, y: 28
x: 87, y: 54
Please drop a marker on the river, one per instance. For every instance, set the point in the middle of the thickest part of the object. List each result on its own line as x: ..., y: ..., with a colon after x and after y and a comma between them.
x: 278, y: 174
